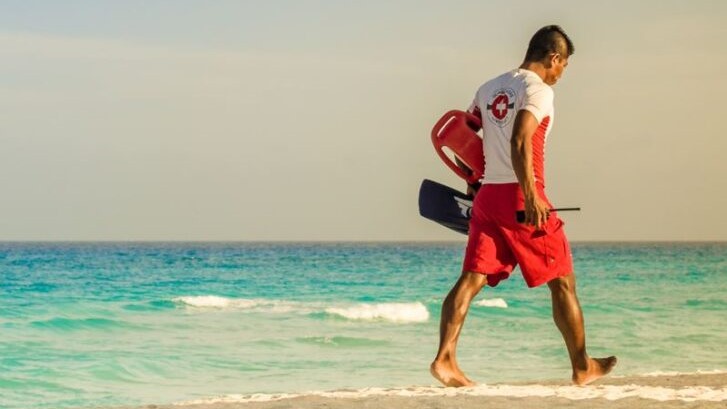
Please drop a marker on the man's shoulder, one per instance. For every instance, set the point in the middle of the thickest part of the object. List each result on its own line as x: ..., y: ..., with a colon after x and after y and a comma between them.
x: 516, y: 80
x: 493, y: 85
x: 500, y: 79
x: 533, y: 83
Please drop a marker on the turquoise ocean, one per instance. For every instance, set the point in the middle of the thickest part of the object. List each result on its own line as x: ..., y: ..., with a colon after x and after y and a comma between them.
x: 105, y: 324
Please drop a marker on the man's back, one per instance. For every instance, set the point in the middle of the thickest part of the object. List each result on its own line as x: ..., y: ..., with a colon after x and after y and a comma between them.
x: 498, y: 101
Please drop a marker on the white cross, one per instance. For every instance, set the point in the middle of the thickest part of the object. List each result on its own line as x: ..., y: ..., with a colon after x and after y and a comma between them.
x: 501, y: 107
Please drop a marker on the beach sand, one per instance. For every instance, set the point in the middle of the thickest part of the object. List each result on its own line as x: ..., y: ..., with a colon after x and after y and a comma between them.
x: 663, y: 391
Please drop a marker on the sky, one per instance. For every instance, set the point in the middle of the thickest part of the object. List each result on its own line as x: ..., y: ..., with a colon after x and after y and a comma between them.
x: 309, y: 120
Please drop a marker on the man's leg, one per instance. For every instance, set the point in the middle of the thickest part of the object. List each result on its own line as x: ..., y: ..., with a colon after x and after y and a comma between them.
x: 569, y: 320
x: 454, y: 311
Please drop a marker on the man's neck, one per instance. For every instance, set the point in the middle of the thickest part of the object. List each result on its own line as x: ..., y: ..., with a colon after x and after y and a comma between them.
x: 535, y: 67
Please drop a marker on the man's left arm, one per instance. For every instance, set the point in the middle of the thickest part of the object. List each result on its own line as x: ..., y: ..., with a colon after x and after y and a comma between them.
x: 472, y: 188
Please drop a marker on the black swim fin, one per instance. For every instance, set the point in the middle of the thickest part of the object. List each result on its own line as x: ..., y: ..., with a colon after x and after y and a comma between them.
x: 446, y: 206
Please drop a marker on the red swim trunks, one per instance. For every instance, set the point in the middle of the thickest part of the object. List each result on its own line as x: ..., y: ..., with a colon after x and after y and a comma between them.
x: 497, y: 242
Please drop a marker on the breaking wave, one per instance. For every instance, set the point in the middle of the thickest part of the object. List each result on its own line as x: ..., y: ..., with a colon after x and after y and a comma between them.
x: 394, y: 312
x: 391, y: 312
x: 492, y: 303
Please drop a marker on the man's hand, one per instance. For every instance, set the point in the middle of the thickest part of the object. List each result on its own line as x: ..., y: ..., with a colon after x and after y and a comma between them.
x: 536, y: 212
x: 472, y: 189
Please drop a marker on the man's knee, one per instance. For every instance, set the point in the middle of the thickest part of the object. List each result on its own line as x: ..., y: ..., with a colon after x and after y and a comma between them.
x: 565, y: 284
x: 473, y: 281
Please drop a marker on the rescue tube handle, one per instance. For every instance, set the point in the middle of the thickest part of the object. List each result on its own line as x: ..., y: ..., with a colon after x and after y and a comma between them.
x: 447, y: 120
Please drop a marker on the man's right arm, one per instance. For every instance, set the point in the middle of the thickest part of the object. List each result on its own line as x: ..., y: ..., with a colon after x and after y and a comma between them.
x: 521, y: 153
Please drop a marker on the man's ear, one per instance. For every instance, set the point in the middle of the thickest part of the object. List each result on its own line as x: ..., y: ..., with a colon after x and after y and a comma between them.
x: 552, y: 60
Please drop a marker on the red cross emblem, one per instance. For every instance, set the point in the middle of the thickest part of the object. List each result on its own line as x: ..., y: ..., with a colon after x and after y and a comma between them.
x: 499, y: 106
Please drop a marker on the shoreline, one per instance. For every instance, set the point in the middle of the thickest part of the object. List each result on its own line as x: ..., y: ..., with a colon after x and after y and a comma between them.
x: 702, y: 390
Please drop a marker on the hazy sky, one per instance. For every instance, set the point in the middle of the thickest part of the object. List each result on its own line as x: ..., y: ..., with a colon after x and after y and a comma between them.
x: 310, y: 120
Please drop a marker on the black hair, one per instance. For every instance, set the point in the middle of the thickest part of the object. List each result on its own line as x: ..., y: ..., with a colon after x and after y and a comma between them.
x: 547, y: 40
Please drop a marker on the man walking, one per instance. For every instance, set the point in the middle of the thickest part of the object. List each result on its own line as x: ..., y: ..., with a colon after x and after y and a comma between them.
x: 517, y: 114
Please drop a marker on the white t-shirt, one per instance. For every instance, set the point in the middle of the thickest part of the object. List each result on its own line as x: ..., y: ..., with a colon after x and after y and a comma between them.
x: 498, y: 101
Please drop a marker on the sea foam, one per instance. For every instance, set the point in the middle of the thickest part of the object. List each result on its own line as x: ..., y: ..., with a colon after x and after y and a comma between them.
x: 676, y: 373
x: 216, y: 302
x: 394, y: 312
x: 492, y: 302
x: 608, y: 392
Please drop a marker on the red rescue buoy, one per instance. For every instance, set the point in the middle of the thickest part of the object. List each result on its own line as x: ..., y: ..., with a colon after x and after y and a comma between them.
x: 457, y: 131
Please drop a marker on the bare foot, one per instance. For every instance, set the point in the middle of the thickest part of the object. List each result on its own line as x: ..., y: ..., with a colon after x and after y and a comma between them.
x: 449, y: 376
x: 597, y: 368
